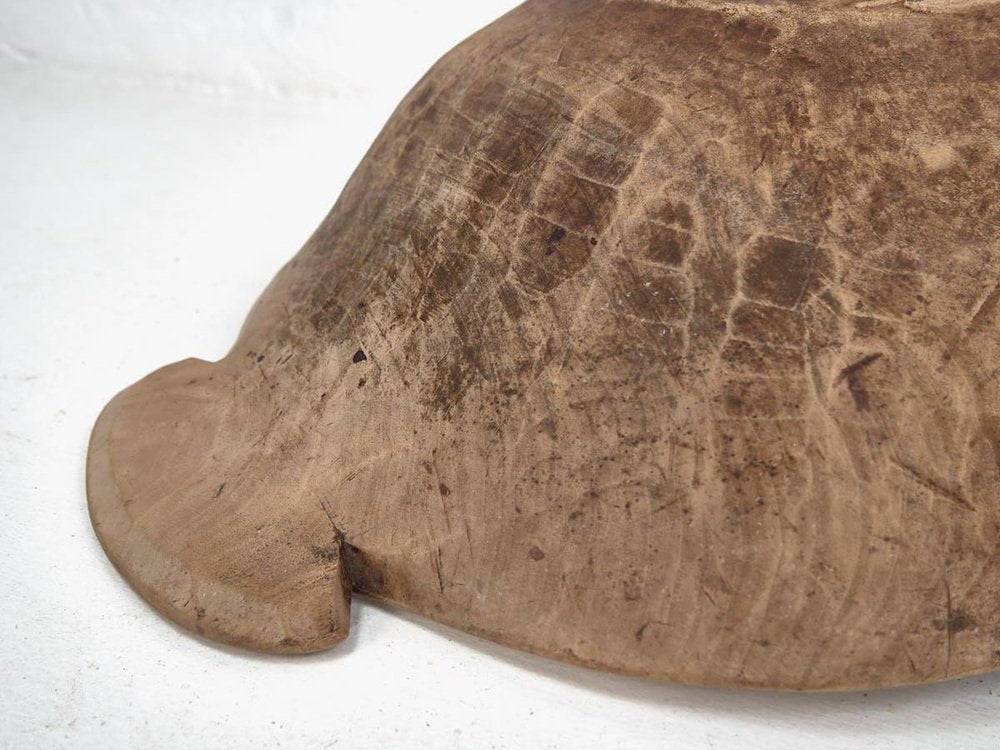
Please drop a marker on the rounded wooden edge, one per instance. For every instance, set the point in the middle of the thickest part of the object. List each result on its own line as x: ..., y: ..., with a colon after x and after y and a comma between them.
x: 210, y: 608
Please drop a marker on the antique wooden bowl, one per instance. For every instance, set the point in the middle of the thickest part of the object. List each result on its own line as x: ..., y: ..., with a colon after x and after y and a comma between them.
x: 659, y: 337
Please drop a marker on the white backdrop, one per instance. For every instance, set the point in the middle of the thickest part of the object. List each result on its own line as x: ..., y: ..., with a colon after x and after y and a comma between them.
x: 158, y: 162
x: 282, y: 48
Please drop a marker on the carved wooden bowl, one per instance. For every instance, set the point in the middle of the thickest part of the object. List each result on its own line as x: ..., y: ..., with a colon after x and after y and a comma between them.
x: 659, y: 337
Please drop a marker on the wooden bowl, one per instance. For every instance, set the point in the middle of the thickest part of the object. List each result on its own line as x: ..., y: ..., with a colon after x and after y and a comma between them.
x: 659, y: 337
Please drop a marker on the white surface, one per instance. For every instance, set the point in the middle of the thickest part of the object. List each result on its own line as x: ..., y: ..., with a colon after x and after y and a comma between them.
x: 137, y: 225
x: 316, y: 48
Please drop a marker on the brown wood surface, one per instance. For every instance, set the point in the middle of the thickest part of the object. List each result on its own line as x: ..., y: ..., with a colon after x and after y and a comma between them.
x: 659, y: 337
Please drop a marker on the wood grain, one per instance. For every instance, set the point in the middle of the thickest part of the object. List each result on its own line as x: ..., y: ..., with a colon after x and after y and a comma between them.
x: 658, y: 337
